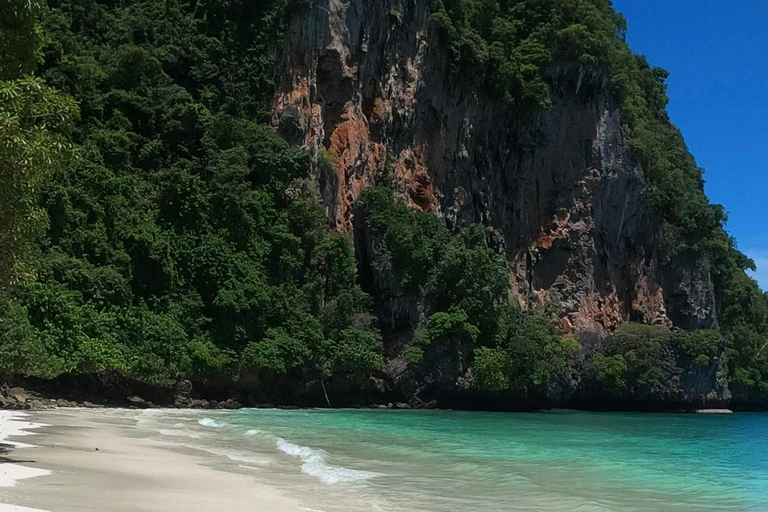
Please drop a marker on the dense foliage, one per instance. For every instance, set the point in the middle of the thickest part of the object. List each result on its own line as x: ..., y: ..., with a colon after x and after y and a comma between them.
x: 465, y: 286
x: 460, y: 278
x: 20, y: 37
x: 743, y: 311
x: 529, y: 355
x: 183, y: 241
x: 34, y: 123
x: 638, y: 358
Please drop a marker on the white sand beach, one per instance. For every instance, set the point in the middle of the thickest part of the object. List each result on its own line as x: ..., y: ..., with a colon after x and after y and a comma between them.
x: 14, y: 424
x: 88, y: 460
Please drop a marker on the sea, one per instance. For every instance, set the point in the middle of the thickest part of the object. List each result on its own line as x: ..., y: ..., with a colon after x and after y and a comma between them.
x: 401, y: 460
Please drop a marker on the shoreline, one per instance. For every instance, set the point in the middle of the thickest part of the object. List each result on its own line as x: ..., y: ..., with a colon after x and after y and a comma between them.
x: 100, y: 460
x: 15, y: 425
x: 28, y: 399
x: 181, y: 460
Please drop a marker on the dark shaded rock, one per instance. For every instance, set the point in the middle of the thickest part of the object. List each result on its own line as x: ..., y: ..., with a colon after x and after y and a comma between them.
x: 137, y: 401
x: 19, y: 395
x: 184, y: 389
x: 229, y: 404
x: 417, y: 403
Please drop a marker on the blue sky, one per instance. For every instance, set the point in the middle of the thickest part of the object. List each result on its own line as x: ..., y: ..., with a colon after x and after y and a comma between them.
x: 717, y: 54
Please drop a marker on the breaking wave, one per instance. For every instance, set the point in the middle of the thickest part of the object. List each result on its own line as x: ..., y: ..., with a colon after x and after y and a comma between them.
x: 314, y: 464
x: 208, y: 422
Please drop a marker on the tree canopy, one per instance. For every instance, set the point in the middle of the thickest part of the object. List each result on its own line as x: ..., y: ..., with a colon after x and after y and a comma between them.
x: 182, y: 238
x: 35, y: 121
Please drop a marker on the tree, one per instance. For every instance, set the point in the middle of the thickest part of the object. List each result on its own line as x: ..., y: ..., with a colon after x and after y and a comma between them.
x: 35, y: 121
x: 20, y: 37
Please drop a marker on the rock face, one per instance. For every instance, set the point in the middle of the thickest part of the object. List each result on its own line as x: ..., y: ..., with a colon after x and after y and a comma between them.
x: 368, y: 86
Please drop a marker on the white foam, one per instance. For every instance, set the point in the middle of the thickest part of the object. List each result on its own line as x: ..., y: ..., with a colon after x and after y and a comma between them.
x: 14, y: 508
x: 178, y: 433
x: 208, y: 422
x: 314, y: 464
x: 149, y: 418
x: 14, y: 424
x: 248, y: 460
x: 253, y: 432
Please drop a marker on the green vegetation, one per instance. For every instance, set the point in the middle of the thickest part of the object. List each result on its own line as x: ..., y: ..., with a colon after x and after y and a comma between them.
x: 35, y: 121
x: 413, y: 355
x: 492, y: 369
x: 20, y: 37
x: 458, y: 274
x: 174, y: 249
x: 743, y: 311
x: 538, y: 354
x: 444, y: 325
x: 529, y: 356
x: 637, y: 358
x: 182, y: 238
x: 608, y: 372
x: 465, y: 285
x: 521, y: 47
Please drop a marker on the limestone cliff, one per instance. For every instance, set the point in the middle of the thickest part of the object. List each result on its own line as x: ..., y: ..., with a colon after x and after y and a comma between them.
x: 369, y: 86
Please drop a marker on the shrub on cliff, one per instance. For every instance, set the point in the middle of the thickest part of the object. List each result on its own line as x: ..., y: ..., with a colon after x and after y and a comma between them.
x: 642, y: 358
x: 528, y: 357
x: 608, y: 372
x: 491, y: 369
x: 519, y: 48
x: 456, y: 273
x: 531, y: 51
x: 411, y: 241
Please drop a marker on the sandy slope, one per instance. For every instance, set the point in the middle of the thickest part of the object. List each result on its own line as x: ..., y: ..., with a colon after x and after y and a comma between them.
x: 88, y: 461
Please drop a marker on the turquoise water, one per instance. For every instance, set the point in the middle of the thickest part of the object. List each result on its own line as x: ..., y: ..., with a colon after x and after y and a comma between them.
x: 459, y: 461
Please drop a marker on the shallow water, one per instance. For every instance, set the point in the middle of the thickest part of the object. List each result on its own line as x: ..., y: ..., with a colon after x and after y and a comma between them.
x: 459, y: 461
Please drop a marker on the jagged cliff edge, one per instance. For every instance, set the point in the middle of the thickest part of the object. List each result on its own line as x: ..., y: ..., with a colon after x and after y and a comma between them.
x: 369, y: 84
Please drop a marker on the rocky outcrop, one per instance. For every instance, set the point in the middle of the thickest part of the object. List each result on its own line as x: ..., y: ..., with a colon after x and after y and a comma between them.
x: 368, y: 88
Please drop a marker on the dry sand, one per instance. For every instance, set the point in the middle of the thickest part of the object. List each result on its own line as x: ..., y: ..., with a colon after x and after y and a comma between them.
x: 84, y: 460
